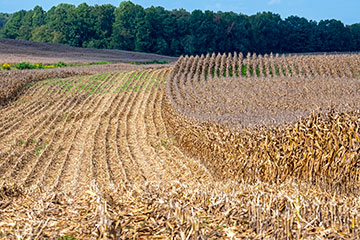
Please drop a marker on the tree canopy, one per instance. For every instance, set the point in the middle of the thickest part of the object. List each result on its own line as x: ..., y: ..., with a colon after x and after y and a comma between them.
x: 157, y: 30
x: 4, y: 17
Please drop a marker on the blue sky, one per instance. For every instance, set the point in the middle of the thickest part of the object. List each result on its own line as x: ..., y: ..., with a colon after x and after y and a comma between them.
x: 345, y: 10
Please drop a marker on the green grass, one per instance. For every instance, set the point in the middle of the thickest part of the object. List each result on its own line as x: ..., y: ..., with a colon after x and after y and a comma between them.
x: 136, y: 88
x: 83, y: 84
x: 248, y: 71
x: 29, y: 85
x: 258, y: 71
x: 290, y: 71
x: 68, y: 88
x: 243, y: 70
x: 66, y: 237
x: 151, y: 82
x: 239, y: 71
x: 264, y: 70
x: 92, y: 84
x: 94, y: 81
x: 52, y: 82
x: 156, y: 147
x: 130, y: 80
x: 96, y: 86
x: 118, y: 78
x: 231, y: 71
x: 28, y: 65
x: 163, y: 143
x: 251, y: 70
x: 150, y: 62
x: 40, y: 148
x: 102, y: 78
x: 123, y: 79
x: 100, y: 63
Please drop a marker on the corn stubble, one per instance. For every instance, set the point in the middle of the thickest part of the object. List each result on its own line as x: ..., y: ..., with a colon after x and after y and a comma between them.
x: 230, y: 147
x: 274, y: 120
x: 12, y: 83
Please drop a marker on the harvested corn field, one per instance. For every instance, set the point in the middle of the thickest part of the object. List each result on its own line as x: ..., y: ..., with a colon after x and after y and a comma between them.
x: 179, y: 153
x: 13, y: 82
x: 85, y: 133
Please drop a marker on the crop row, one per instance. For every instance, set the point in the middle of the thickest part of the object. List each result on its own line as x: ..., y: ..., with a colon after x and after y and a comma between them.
x: 13, y: 82
x: 303, y: 124
x: 236, y: 65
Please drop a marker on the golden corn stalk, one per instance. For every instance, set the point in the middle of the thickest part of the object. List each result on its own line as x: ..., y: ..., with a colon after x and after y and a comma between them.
x: 269, y: 118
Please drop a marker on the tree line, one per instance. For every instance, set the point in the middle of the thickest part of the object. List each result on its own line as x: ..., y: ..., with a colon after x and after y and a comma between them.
x: 176, y: 32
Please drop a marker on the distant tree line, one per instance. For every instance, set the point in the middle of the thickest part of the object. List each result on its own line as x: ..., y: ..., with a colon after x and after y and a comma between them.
x: 176, y: 32
x: 4, y: 17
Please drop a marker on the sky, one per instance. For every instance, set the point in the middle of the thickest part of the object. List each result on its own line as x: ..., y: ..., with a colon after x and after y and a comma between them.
x: 345, y: 10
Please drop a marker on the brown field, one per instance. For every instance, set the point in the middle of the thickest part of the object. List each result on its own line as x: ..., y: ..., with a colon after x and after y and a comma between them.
x: 12, y: 82
x: 211, y: 148
x: 16, y: 51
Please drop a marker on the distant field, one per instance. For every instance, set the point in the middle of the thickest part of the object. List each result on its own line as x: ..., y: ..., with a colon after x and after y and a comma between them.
x: 12, y: 82
x: 15, y: 51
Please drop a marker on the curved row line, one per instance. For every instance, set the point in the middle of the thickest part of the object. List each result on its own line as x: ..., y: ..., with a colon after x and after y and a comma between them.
x: 114, y: 140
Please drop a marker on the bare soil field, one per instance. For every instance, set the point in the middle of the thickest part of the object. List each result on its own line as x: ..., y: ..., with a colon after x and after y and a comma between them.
x: 15, y: 51
x: 149, y: 153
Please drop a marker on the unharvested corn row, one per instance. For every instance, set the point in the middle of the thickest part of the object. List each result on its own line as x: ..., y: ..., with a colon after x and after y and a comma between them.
x: 273, y: 127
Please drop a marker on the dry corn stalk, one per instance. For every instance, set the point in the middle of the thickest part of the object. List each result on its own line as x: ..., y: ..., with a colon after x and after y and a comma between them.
x: 271, y: 128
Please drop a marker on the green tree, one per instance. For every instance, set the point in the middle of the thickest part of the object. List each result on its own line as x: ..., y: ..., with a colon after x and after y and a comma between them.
x: 38, y: 17
x: 180, y: 26
x: 232, y: 32
x: 177, y: 32
x: 42, y: 34
x: 26, y: 26
x: 61, y: 20
x: 334, y: 36
x: 39, y: 32
x: 197, y: 38
x: 240, y: 34
x: 266, y: 30
x: 151, y: 31
x: 143, y: 36
x: 125, y: 25
x: 82, y: 25
x: 4, y: 17
x: 103, y: 17
x: 355, y: 36
x: 300, y: 35
x: 12, y: 27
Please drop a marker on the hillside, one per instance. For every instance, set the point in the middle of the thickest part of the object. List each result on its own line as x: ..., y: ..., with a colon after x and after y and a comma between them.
x: 15, y: 51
